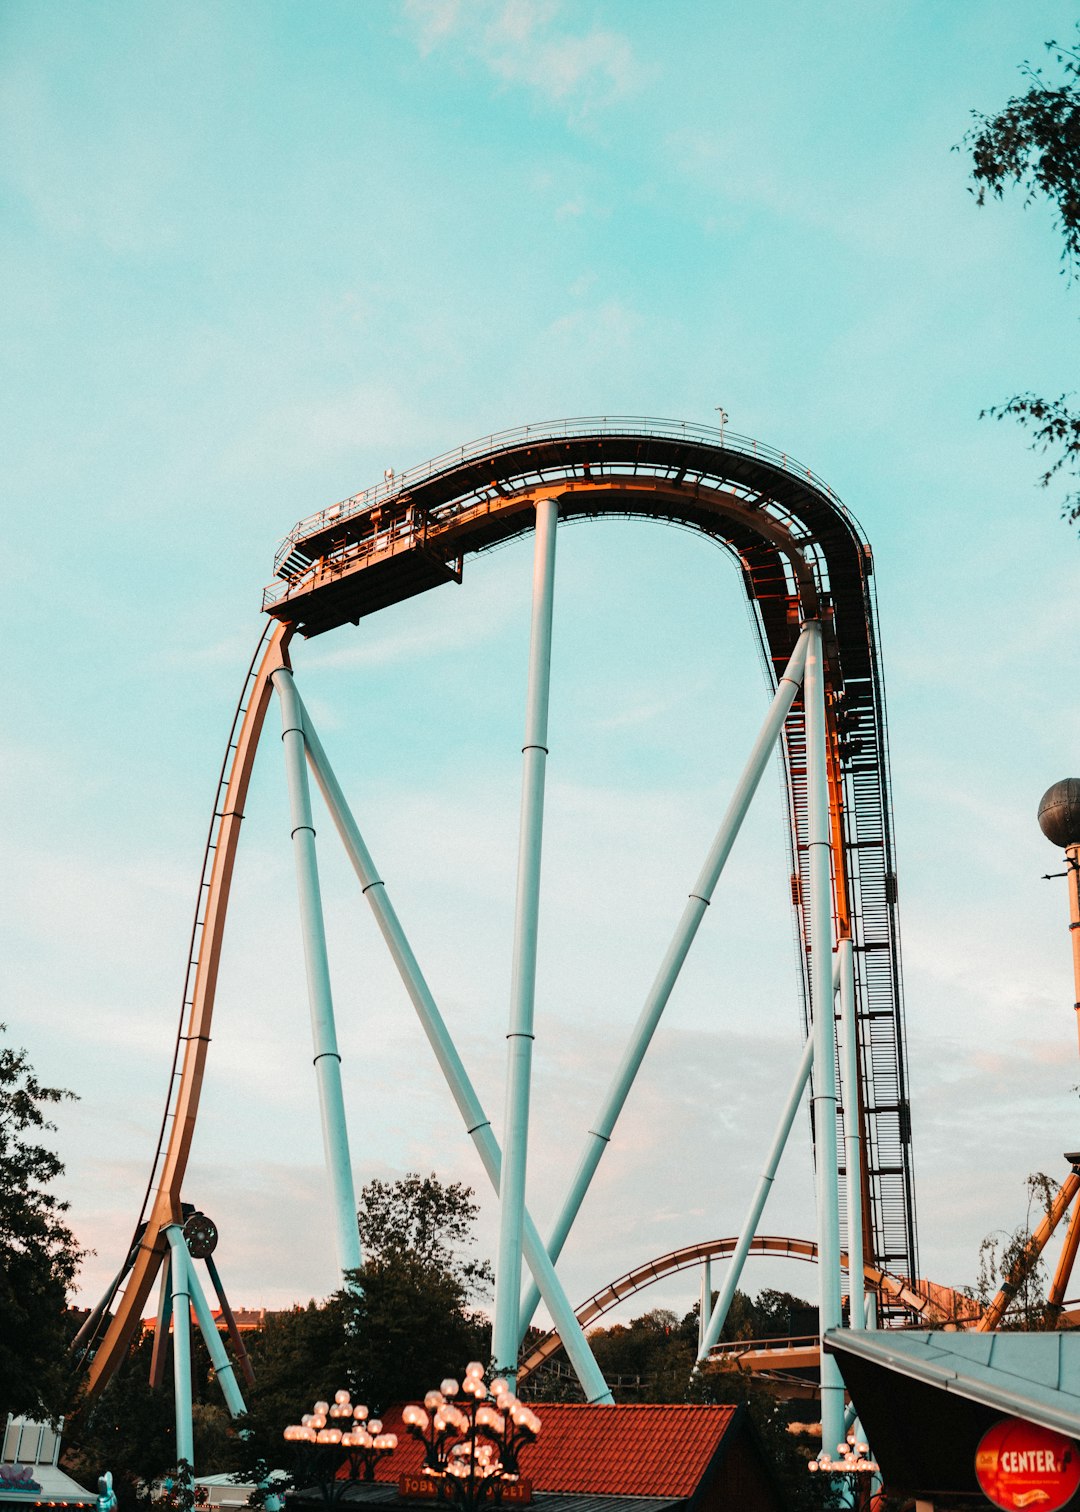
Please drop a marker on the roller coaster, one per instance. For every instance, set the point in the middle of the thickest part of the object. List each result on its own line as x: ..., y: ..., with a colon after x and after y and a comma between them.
x: 808, y: 573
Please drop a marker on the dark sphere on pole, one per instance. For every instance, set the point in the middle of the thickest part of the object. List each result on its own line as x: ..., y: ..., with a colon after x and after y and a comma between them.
x: 1059, y: 813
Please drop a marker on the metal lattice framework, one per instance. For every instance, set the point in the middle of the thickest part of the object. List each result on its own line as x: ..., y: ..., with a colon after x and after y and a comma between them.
x: 808, y: 573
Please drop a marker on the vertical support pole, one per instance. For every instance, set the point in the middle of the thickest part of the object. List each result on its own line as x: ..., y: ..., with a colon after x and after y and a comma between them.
x: 323, y: 1033
x: 476, y: 1121
x: 718, y: 1316
x: 599, y: 1136
x: 824, y: 1032
x: 181, y: 1319
x: 704, y: 1304
x: 1072, y: 868
x: 852, y: 1134
x: 505, y: 1333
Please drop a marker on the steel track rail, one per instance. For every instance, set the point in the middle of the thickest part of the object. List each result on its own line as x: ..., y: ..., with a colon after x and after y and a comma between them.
x: 944, y: 1307
x: 104, y: 1351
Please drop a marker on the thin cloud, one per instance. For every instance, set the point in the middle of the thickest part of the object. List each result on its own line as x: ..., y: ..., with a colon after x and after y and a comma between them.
x: 535, y: 44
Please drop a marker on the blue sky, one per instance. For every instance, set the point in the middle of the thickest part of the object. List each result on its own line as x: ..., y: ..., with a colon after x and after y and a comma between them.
x: 255, y: 255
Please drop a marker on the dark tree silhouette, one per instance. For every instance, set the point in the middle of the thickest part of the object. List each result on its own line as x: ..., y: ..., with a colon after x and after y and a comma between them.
x: 39, y: 1255
x: 1033, y: 143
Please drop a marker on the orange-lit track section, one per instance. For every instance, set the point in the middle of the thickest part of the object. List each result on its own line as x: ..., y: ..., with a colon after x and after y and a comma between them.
x: 931, y: 1306
x: 801, y: 556
x: 108, y: 1342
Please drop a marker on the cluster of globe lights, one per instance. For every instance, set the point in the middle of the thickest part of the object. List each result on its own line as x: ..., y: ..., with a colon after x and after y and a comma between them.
x: 852, y: 1460
x: 361, y: 1433
x: 470, y: 1457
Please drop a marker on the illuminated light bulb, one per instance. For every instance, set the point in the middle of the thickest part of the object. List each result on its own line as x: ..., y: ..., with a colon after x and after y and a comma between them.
x: 322, y: 1408
x: 474, y: 1368
x: 415, y: 1415
x: 342, y: 1396
x: 374, y: 1426
x: 499, y: 1384
x: 812, y: 1465
x: 305, y: 1420
x: 449, y: 1387
x: 433, y: 1399
x: 363, y: 1438
x: 359, y: 1412
x: 391, y: 1440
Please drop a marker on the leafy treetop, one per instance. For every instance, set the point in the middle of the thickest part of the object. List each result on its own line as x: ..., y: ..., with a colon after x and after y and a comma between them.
x: 1034, y: 143
x: 429, y: 1221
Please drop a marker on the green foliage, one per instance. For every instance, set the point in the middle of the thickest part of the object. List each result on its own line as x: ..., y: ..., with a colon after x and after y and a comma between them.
x: 1009, y: 1260
x: 429, y: 1221
x: 409, y: 1328
x: 1034, y: 143
x: 38, y: 1252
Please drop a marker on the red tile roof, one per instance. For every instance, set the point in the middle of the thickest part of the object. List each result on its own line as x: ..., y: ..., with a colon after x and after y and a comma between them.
x: 627, y: 1450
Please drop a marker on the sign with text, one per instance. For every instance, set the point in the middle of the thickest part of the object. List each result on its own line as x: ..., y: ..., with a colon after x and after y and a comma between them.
x: 1020, y: 1465
x: 505, y: 1493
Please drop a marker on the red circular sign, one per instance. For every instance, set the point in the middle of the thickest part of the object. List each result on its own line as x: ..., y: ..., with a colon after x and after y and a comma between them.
x: 1020, y: 1465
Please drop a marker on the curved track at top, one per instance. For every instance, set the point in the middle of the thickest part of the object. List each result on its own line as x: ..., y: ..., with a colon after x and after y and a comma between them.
x: 801, y: 554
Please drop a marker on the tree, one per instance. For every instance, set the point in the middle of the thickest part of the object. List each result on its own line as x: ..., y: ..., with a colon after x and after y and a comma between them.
x: 1010, y: 1259
x: 407, y: 1324
x: 39, y: 1255
x: 428, y: 1220
x: 412, y: 1321
x: 1034, y: 143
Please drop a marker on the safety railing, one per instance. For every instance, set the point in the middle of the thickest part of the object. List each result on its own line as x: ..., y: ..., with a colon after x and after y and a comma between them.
x: 735, y: 1347
x: 394, y: 484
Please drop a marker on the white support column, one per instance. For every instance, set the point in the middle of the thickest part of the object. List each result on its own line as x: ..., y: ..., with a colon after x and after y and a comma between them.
x: 181, y: 1320
x: 505, y: 1332
x: 819, y: 840
x: 320, y: 1000
x: 704, y: 1304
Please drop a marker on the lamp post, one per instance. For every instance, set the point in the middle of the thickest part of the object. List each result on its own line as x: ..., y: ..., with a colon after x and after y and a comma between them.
x: 341, y: 1433
x: 854, y: 1461
x: 473, y: 1436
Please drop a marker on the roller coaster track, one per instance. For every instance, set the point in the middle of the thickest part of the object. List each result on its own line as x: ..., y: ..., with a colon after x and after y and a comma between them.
x: 799, y: 550
x: 801, y: 555
x: 943, y: 1307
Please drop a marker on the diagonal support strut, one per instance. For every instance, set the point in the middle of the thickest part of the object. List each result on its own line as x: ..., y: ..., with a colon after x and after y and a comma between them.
x: 468, y: 1103
x: 599, y: 1136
